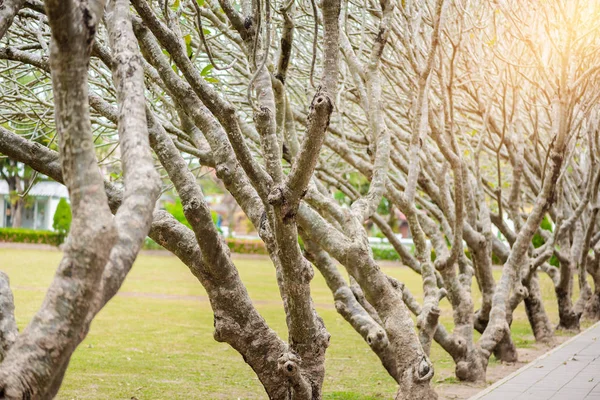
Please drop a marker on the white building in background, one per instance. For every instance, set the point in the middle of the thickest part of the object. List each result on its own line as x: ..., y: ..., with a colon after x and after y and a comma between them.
x: 41, y: 206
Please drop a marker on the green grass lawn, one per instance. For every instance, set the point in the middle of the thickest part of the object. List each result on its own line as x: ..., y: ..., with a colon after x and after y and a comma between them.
x: 154, y: 340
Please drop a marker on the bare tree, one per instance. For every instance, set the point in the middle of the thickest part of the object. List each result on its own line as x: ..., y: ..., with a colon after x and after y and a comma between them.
x: 460, y: 115
x: 100, y: 249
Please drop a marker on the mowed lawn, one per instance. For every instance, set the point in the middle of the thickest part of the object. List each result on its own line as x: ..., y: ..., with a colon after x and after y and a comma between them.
x: 154, y: 340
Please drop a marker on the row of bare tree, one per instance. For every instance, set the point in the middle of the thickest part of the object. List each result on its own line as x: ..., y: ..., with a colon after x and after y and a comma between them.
x: 479, y: 122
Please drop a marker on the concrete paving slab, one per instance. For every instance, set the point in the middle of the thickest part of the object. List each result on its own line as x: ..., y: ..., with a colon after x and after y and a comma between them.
x: 568, y: 372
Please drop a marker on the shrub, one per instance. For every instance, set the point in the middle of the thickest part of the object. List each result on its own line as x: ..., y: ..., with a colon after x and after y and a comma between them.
x: 176, y: 210
x: 256, y: 246
x: 62, y: 217
x: 22, y: 235
x: 243, y: 246
x: 150, y: 244
x: 246, y: 246
x: 385, y: 253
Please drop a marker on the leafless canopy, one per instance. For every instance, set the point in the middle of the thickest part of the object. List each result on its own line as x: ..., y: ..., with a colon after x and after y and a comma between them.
x: 478, y: 121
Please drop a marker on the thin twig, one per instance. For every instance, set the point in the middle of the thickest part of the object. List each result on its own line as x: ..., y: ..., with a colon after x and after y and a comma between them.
x: 205, y: 43
x: 315, y: 37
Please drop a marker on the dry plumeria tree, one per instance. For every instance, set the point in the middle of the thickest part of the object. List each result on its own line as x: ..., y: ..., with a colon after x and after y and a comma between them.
x: 478, y: 122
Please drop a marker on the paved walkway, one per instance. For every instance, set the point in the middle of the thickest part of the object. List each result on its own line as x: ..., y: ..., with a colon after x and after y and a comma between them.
x: 569, y: 372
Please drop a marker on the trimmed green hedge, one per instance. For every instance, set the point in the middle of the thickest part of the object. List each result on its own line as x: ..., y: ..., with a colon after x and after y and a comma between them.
x: 250, y: 246
x: 385, y: 253
x: 244, y: 246
x: 22, y: 235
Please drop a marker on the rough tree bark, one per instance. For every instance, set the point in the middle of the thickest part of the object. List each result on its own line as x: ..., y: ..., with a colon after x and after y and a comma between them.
x: 592, y: 307
x: 30, y: 365
x: 100, y: 250
x: 8, y: 325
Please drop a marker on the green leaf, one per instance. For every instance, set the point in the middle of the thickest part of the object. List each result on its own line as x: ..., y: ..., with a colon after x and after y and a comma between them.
x: 175, y: 5
x: 211, y: 79
x: 546, y: 224
x: 206, y: 70
x: 115, y: 176
x: 200, y: 2
x: 339, y: 195
x: 384, y: 207
x: 188, y: 45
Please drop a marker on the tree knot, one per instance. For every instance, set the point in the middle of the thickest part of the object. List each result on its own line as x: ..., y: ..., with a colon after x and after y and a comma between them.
x: 461, y: 345
x: 248, y: 22
x: 276, y: 196
x: 307, y: 273
x: 192, y: 205
x: 377, y: 339
x: 423, y: 371
x: 396, y: 284
x: 321, y: 102
x: 521, y: 292
x: 223, y: 172
x: 289, y: 363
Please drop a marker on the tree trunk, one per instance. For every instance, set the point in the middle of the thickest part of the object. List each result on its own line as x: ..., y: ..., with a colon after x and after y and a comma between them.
x: 16, y: 209
x: 591, y: 310
x: 472, y: 367
x: 348, y: 304
x: 506, y: 350
x: 414, y: 368
x: 8, y: 326
x: 536, y: 314
x: 471, y: 363
x: 568, y: 319
x: 31, y: 364
x: 585, y: 292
